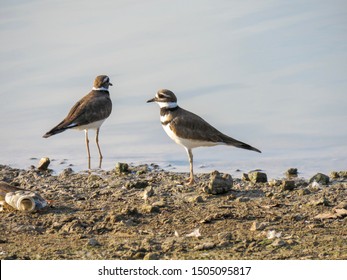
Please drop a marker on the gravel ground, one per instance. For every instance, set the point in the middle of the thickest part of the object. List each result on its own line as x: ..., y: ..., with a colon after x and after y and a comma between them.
x: 144, y: 212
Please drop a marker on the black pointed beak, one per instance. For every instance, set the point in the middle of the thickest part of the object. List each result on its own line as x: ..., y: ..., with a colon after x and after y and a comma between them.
x: 110, y: 84
x: 151, y: 100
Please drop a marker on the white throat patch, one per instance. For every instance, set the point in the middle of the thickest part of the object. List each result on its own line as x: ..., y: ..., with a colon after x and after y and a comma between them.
x: 167, y: 104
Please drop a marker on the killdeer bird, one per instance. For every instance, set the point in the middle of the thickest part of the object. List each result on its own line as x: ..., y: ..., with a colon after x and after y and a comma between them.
x: 88, y: 113
x: 190, y: 130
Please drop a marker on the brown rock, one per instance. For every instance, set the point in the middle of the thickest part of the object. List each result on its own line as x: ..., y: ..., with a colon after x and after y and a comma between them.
x: 122, y: 167
x: 245, y: 177
x: 292, y: 172
x: 288, y: 185
x: 150, y: 209
x: 320, y: 178
x: 219, y: 183
x: 257, y: 177
x: 279, y: 243
x: 205, y: 246
x: 152, y: 256
x: 258, y: 226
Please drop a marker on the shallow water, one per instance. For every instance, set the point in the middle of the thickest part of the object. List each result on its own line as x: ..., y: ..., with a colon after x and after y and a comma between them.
x: 269, y: 73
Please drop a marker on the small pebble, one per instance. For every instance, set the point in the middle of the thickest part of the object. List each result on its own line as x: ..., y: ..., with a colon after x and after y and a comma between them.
x: 150, y: 209
x: 302, y: 192
x: 338, y: 175
x: 320, y: 178
x: 195, y: 199
x: 245, y: 177
x: 66, y: 172
x: 225, y: 236
x: 258, y: 226
x: 279, y: 243
x: 93, y: 242
x: 148, y: 192
x: 242, y: 199
x: 275, y: 183
x: 151, y: 256
x: 205, y: 246
x: 288, y: 185
x: 292, y: 172
x: 122, y: 167
x: 43, y: 164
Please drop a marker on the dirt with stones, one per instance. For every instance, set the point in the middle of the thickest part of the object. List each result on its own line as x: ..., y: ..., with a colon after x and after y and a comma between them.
x: 143, y: 212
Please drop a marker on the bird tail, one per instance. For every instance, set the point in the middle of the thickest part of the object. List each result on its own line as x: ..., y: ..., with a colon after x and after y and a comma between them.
x: 233, y: 142
x: 61, y: 127
x: 54, y: 131
x: 247, y: 147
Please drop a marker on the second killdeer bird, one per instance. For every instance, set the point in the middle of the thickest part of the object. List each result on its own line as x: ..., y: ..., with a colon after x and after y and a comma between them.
x: 88, y: 113
x: 190, y: 130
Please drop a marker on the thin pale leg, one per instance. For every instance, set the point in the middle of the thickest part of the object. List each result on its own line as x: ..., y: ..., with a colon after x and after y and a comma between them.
x: 100, y: 162
x: 87, y: 144
x: 191, y: 177
x: 97, y: 142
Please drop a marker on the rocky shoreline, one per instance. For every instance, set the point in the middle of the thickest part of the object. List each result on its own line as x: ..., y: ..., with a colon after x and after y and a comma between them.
x: 144, y: 212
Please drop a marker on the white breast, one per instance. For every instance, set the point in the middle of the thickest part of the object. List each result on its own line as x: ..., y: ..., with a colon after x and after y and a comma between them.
x: 165, y: 118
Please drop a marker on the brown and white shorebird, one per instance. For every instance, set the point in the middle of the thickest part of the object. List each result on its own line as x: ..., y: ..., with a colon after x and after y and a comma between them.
x: 88, y: 113
x: 190, y: 130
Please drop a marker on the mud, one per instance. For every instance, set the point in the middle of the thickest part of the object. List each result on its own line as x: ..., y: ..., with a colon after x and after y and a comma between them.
x: 144, y: 212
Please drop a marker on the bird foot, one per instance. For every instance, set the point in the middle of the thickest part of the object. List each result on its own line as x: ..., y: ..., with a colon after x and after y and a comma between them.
x: 190, y: 181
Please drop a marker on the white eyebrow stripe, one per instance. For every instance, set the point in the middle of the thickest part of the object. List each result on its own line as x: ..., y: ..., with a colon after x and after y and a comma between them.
x: 163, y: 94
x: 105, y: 79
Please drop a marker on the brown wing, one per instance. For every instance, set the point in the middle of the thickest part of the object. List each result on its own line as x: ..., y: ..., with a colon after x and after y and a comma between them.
x: 93, y: 107
x: 190, y: 126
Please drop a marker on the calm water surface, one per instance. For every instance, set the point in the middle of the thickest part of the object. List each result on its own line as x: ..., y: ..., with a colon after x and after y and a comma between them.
x: 269, y: 73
